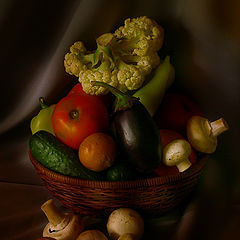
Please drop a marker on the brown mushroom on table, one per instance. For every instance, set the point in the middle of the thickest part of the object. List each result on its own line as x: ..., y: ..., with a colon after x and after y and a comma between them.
x: 61, y: 226
x: 127, y: 222
x: 202, y: 134
x: 45, y: 238
x: 127, y: 236
x: 177, y: 153
x: 92, y: 234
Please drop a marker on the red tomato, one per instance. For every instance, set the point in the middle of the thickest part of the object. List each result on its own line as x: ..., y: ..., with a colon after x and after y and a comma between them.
x: 77, y: 116
x: 107, y: 99
x: 174, y: 112
x: 77, y: 89
x: 166, y: 137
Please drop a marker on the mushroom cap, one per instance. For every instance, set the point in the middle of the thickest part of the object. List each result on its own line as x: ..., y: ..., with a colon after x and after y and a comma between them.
x: 45, y: 238
x: 176, y: 151
x: 127, y: 236
x: 125, y: 220
x: 199, y: 134
x: 68, y: 232
x: 92, y: 235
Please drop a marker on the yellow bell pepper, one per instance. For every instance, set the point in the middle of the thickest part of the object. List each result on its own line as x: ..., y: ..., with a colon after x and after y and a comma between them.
x: 43, y: 120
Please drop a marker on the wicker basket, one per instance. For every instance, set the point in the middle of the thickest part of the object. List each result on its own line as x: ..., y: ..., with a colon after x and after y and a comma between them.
x: 151, y: 197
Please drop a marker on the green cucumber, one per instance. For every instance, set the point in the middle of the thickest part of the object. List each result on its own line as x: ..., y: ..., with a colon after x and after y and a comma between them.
x: 56, y: 156
x: 121, y: 171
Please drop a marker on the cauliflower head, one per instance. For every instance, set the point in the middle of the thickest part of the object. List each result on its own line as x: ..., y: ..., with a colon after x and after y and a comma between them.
x: 122, y: 59
x: 138, y: 42
x: 77, y: 60
x: 106, y: 76
x: 130, y: 76
x: 140, y: 36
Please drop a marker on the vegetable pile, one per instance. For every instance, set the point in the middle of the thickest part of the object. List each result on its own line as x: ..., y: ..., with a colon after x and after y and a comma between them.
x: 146, y: 132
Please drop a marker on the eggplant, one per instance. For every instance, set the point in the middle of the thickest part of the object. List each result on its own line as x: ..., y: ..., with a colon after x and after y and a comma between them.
x: 135, y: 131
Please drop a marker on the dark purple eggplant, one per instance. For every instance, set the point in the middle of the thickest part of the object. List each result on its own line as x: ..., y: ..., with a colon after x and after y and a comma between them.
x: 135, y: 131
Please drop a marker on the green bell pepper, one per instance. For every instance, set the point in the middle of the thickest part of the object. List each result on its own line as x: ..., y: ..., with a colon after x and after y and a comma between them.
x: 43, y: 120
x: 152, y: 93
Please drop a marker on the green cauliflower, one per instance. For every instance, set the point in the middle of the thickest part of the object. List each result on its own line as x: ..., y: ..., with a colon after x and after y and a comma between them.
x: 122, y: 59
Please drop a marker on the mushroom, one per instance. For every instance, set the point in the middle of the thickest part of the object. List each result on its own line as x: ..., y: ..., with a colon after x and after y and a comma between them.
x: 176, y: 153
x: 45, y: 238
x: 125, y: 221
x: 92, y: 235
x: 202, y: 134
x: 61, y: 226
x: 126, y: 236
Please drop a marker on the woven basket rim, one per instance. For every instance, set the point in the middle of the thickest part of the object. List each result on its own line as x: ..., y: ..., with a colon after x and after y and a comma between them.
x: 154, y: 181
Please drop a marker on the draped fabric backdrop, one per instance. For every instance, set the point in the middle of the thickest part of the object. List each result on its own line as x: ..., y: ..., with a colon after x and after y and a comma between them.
x: 203, y: 39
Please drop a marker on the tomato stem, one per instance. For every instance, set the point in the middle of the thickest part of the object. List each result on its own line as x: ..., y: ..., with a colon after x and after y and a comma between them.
x: 74, y: 114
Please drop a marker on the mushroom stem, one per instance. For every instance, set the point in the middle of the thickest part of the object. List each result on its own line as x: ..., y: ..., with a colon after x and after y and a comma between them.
x: 57, y: 219
x: 61, y: 226
x: 54, y: 215
x: 184, y: 165
x: 202, y: 134
x: 219, y: 126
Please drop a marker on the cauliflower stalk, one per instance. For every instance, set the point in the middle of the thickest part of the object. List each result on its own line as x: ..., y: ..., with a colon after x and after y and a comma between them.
x: 122, y: 59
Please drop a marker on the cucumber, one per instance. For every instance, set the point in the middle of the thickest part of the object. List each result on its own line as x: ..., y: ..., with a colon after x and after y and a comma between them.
x: 121, y: 171
x: 56, y: 156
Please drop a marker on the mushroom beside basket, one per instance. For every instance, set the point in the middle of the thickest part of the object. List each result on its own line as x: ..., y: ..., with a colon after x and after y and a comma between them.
x: 150, y: 196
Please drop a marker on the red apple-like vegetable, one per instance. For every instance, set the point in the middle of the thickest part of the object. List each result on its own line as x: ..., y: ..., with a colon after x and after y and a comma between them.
x: 107, y: 99
x: 77, y: 116
x: 77, y: 89
x: 174, y: 112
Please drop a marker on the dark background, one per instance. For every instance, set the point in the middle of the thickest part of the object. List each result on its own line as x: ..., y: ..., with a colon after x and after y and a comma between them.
x: 203, y: 40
